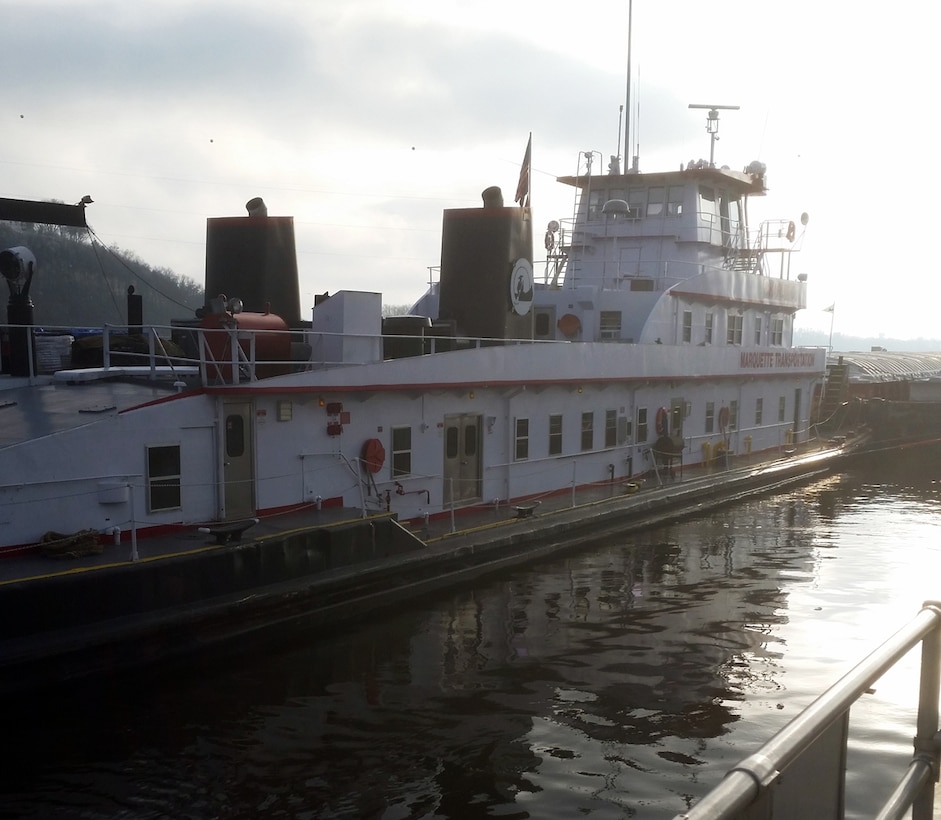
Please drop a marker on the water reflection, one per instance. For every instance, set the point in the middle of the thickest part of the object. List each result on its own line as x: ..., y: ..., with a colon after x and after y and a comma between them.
x: 617, y: 681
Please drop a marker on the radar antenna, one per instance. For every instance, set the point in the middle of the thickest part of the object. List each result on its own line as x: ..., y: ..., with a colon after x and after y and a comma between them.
x: 712, y: 126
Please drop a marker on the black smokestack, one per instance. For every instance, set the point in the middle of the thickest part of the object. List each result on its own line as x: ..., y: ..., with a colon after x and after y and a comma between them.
x: 253, y: 258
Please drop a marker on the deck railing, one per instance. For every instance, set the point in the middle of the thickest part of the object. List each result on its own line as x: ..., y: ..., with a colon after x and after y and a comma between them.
x: 244, y: 355
x: 800, y: 772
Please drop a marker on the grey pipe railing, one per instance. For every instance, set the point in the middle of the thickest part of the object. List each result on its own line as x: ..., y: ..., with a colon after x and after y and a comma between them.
x: 747, y: 781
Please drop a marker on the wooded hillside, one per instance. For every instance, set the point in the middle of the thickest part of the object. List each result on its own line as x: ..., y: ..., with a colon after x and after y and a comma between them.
x: 79, y: 282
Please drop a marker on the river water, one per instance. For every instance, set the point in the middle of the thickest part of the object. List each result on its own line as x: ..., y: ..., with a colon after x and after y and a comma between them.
x: 619, y: 680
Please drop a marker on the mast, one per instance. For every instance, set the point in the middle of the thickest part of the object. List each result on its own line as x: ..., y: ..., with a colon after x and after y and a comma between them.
x: 627, y: 107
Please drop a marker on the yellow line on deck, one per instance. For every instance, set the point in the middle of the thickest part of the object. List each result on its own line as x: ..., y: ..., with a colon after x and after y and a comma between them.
x: 79, y: 570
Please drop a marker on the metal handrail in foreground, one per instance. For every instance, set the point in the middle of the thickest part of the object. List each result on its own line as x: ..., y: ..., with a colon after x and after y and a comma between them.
x: 748, y: 788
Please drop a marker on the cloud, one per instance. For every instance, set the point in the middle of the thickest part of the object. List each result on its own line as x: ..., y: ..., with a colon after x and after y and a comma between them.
x: 364, y: 119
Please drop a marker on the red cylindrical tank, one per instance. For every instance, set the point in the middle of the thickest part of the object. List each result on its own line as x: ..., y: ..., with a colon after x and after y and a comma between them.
x: 272, y: 342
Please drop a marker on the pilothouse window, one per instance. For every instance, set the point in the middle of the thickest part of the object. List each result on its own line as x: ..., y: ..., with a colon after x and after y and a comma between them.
x: 636, y: 201
x: 674, y: 201
x: 596, y: 202
x: 708, y: 215
x: 707, y: 202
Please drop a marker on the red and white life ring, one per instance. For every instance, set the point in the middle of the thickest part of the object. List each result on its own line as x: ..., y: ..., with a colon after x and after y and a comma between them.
x: 662, y: 421
x: 723, y: 419
x: 373, y: 455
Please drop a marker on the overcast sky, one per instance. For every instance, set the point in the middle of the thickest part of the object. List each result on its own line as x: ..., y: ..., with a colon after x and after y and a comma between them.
x: 363, y: 119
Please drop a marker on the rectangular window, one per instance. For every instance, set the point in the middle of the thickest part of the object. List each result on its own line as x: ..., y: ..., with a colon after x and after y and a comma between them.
x: 759, y: 411
x: 757, y: 330
x: 655, y: 198
x: 163, y: 476
x: 610, y: 324
x: 675, y: 200
x: 636, y: 200
x: 777, y: 331
x: 610, y: 428
x: 709, y: 323
x: 710, y: 417
x: 234, y: 435
x: 641, y: 424
x: 624, y: 429
x: 782, y: 407
x: 522, y: 439
x: 734, y: 335
x: 687, y: 326
x: 588, y: 431
x: 541, y: 326
x: 595, y: 203
x: 707, y: 204
x: 402, y: 450
x: 555, y: 434
x: 733, y: 415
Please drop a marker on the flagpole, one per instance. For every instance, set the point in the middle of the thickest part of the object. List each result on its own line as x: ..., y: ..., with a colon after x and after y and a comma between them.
x: 524, y: 186
x: 529, y: 169
x: 831, y: 310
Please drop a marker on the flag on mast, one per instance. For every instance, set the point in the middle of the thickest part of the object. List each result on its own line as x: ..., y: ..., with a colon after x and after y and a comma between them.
x: 522, y: 187
x: 830, y: 309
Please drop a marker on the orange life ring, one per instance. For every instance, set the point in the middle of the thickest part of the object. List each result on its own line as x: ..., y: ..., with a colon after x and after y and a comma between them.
x: 723, y: 419
x: 662, y: 421
x: 373, y: 455
x: 569, y: 324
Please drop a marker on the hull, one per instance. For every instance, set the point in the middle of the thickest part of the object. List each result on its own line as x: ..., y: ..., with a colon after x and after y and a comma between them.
x: 309, y: 570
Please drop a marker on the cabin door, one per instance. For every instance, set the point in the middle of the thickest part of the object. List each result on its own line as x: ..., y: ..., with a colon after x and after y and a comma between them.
x: 238, y: 462
x: 677, y: 414
x: 461, y: 458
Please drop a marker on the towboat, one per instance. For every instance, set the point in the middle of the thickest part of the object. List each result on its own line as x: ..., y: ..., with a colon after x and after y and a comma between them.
x: 656, y: 332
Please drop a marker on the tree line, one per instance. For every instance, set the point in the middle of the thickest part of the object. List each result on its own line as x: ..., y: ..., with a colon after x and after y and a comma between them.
x: 80, y: 282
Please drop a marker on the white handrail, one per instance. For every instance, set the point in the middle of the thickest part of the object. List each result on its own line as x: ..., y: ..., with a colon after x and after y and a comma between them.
x: 761, y: 772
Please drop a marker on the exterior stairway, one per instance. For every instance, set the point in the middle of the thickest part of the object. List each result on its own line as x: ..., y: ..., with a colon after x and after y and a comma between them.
x: 834, y: 391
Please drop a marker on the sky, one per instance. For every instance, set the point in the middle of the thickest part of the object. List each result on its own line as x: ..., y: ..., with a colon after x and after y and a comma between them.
x: 364, y: 119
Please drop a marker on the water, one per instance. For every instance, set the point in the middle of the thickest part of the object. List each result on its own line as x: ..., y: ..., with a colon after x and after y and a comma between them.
x: 618, y: 681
